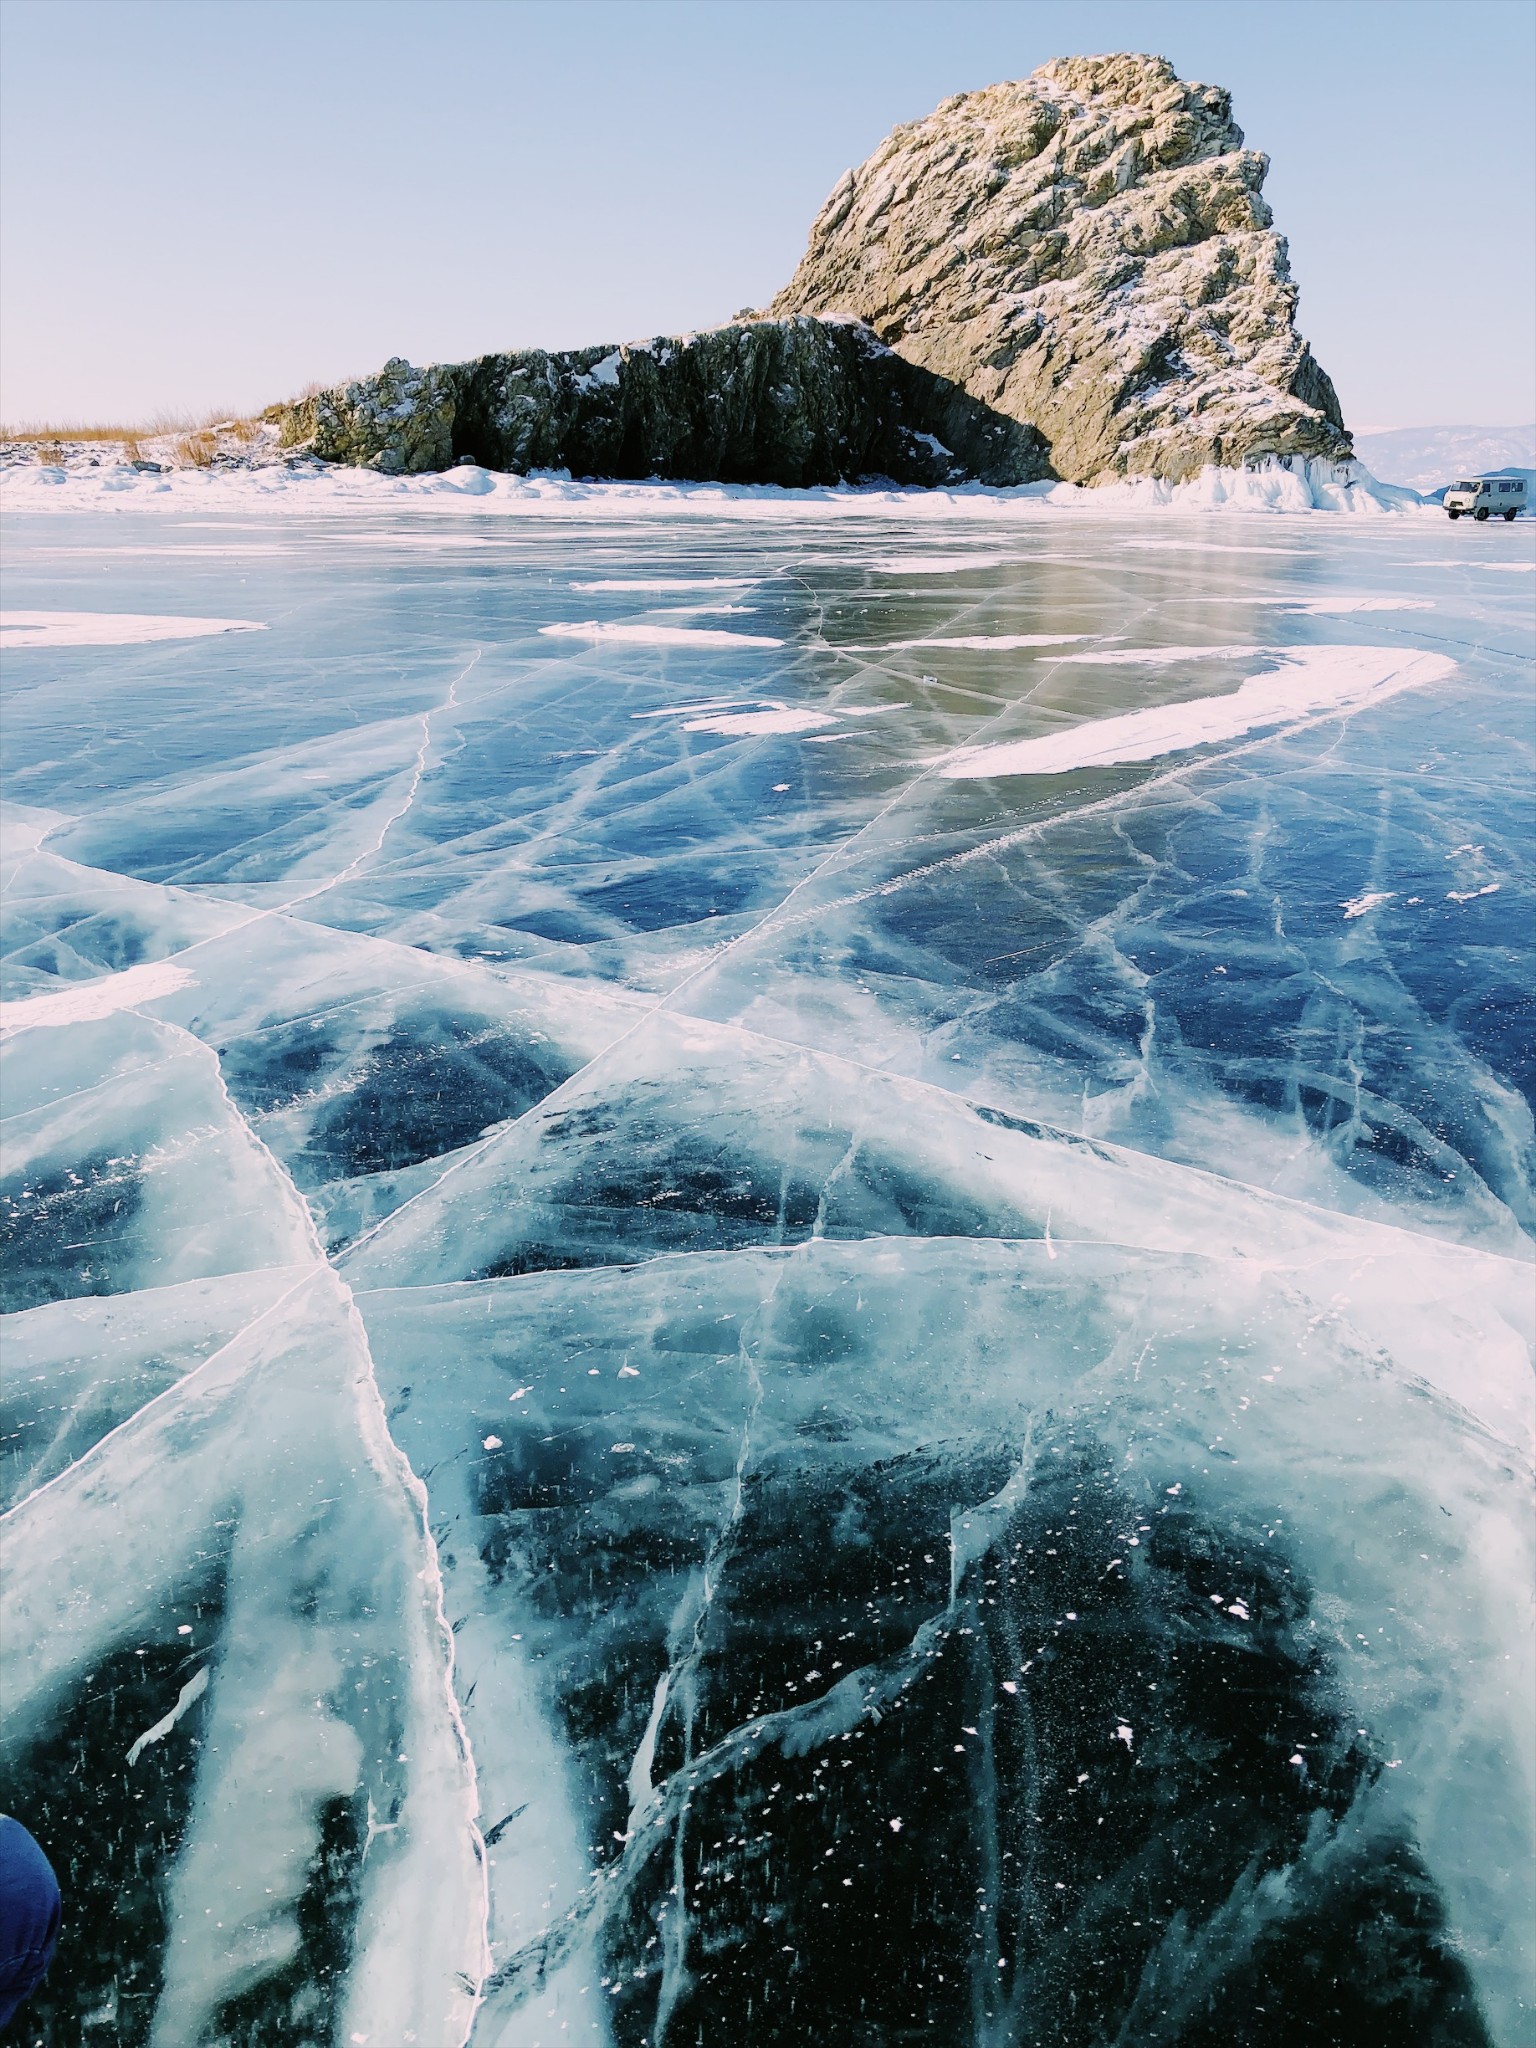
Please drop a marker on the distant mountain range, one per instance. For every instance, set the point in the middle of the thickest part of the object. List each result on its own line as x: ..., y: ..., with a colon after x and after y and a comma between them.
x: 1425, y: 458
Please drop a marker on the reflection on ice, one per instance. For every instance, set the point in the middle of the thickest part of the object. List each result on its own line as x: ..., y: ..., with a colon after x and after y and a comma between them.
x: 666, y: 1382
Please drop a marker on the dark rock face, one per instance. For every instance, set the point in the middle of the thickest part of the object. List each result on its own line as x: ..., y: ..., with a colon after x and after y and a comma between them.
x: 794, y: 402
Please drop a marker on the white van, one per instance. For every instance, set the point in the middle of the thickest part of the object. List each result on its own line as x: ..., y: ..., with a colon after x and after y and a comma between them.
x: 1485, y: 494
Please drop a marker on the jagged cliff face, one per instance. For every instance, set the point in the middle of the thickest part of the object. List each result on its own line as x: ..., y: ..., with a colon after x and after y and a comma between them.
x: 1087, y: 250
x: 794, y: 401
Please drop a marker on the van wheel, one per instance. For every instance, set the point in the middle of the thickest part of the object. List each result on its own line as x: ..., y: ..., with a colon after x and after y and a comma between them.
x: 1509, y: 512
x: 1481, y: 512
x: 1455, y: 511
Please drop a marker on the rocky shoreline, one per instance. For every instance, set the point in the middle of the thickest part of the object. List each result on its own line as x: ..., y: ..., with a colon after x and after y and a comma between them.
x: 1071, y: 278
x: 796, y: 401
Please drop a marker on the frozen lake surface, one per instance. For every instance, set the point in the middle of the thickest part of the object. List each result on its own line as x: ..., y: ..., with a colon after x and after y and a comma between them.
x: 767, y: 1269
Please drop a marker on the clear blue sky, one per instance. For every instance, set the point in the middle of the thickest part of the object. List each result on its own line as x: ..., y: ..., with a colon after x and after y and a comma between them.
x: 212, y: 202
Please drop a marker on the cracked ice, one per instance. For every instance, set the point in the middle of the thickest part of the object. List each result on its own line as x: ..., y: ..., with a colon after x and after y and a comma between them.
x: 665, y: 1383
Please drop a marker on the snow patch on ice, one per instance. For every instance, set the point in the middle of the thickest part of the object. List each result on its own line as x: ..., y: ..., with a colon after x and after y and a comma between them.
x: 1331, y: 606
x: 1460, y: 562
x: 998, y: 641
x: 784, y: 719
x: 83, y: 1002
x: 1305, y: 682
x: 682, y: 710
x: 1217, y: 547
x: 1357, y: 906
x: 658, y: 636
x: 664, y: 583
x: 767, y: 715
x: 934, y: 565
x: 110, y: 629
x: 1159, y: 657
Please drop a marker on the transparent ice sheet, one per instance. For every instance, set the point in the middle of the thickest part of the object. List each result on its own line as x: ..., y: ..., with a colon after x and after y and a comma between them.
x: 728, y: 1389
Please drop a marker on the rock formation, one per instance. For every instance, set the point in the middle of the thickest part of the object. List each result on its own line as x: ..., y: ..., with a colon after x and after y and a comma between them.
x: 1087, y: 250
x: 1075, y: 275
x: 792, y: 401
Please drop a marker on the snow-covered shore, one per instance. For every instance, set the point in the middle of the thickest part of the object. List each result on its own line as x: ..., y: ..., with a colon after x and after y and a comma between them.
x: 1283, y: 485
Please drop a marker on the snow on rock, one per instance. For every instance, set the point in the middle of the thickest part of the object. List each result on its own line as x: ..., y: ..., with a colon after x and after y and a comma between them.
x: 1087, y: 250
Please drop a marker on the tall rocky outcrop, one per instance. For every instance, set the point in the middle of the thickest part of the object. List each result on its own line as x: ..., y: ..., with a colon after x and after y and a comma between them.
x: 1087, y: 250
x: 1073, y: 276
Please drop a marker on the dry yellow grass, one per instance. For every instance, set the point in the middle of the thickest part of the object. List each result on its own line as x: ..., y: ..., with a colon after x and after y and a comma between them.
x: 186, y: 431
x: 50, y: 432
x: 241, y: 427
x: 196, y: 451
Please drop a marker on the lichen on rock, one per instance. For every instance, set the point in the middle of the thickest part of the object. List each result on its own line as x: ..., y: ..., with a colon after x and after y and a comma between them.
x: 399, y: 421
x: 1088, y: 250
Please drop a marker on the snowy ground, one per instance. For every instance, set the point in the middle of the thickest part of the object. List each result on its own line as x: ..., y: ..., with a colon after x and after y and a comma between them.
x: 768, y: 1262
